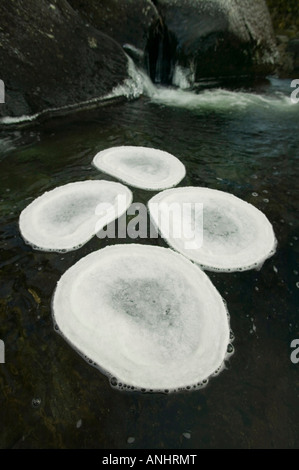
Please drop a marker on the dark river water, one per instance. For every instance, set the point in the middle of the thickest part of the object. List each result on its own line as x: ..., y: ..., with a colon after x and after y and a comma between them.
x: 242, y: 141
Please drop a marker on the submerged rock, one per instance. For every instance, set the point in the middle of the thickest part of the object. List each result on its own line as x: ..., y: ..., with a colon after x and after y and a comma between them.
x: 51, y: 58
x: 213, y: 38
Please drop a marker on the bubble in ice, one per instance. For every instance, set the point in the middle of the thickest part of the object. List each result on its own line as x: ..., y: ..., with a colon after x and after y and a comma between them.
x: 67, y: 217
x: 148, y: 317
x: 141, y: 167
x: 215, y: 229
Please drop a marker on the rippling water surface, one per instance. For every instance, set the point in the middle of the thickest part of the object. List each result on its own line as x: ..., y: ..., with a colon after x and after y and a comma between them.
x: 242, y: 141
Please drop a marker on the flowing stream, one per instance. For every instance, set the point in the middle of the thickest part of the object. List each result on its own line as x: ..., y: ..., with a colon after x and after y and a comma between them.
x: 241, y: 140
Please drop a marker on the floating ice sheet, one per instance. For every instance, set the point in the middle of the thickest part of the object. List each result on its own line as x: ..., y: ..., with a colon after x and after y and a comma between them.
x: 146, y: 316
x: 69, y: 216
x: 215, y: 229
x: 141, y: 167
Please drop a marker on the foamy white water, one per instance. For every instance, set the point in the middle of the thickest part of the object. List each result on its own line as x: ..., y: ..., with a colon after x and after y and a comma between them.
x: 220, y: 99
x: 139, y: 84
x: 217, y: 98
x: 182, y: 77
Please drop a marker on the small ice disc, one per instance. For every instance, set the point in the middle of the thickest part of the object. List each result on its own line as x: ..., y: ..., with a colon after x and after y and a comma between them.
x: 141, y: 167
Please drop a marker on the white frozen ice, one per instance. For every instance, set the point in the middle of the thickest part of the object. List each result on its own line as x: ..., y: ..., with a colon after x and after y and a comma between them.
x: 141, y: 167
x: 69, y: 216
x: 145, y: 315
x: 235, y: 235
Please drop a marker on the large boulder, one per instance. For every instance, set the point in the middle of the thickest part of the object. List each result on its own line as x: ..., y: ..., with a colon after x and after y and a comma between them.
x: 293, y: 50
x: 127, y: 21
x: 50, y: 58
x: 213, y: 38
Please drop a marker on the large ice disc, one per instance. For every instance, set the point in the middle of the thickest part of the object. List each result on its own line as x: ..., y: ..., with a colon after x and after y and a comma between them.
x: 144, y: 315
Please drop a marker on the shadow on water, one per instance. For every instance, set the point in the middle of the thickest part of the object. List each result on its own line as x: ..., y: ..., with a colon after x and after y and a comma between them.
x: 235, y: 141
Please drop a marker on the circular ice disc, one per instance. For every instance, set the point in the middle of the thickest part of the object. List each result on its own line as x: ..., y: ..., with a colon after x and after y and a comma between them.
x: 69, y: 216
x: 141, y: 167
x: 144, y: 315
x: 215, y: 229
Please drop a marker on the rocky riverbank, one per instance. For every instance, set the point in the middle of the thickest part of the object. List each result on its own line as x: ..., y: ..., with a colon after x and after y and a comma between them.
x: 59, y: 53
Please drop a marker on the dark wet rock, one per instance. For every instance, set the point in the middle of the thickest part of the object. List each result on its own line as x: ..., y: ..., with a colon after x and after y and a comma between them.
x: 127, y: 21
x: 288, y: 64
x: 50, y: 58
x: 215, y: 38
x: 293, y: 50
x: 285, y: 18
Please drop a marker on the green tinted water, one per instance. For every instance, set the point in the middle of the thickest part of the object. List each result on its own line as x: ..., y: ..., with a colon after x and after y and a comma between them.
x: 245, y: 142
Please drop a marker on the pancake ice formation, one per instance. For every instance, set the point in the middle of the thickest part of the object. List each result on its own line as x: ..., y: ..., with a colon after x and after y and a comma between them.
x: 67, y: 217
x: 215, y: 229
x: 146, y: 316
x: 141, y: 167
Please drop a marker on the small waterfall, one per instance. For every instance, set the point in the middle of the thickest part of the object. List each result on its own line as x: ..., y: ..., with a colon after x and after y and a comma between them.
x: 182, y: 95
x: 138, y: 83
x: 179, y: 94
x: 183, y: 77
x: 160, y: 54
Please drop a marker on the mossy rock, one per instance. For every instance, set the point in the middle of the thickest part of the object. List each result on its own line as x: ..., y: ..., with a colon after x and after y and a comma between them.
x: 285, y: 16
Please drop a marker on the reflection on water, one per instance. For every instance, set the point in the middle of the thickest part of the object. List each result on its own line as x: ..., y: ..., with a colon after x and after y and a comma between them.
x: 245, y: 142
